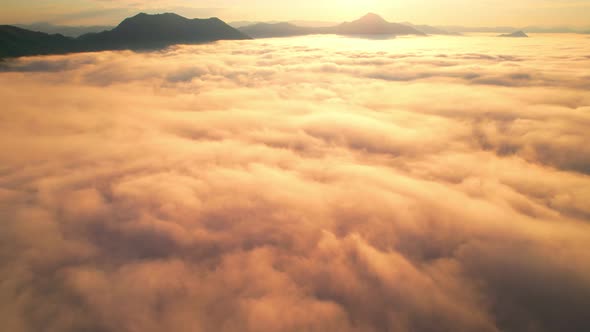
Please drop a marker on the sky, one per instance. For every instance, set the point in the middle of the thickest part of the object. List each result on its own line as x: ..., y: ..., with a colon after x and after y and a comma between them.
x: 574, y: 13
x: 315, y: 183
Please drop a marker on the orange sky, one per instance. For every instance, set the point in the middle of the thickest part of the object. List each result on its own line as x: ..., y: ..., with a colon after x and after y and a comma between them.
x: 442, y: 12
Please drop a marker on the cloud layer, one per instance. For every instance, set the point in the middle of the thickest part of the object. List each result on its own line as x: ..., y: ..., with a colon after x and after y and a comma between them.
x: 300, y: 184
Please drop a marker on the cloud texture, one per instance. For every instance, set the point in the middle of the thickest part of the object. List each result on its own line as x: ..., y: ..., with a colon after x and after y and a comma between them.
x: 300, y: 184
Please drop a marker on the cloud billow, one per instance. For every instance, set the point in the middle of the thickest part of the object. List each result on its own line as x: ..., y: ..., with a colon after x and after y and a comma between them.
x: 298, y: 184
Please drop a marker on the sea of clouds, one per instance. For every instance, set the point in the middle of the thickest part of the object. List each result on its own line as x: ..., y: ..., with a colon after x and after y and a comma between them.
x: 298, y: 184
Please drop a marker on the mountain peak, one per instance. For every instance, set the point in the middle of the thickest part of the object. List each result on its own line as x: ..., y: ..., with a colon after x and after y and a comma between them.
x: 143, y: 18
x: 142, y: 31
x: 372, y: 18
x: 155, y: 30
x: 516, y: 34
x: 373, y: 24
x: 145, y: 15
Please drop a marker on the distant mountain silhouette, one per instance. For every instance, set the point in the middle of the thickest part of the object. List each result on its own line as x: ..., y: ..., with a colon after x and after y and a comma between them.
x: 373, y: 24
x: 507, y: 30
x: 431, y: 30
x: 142, y: 31
x: 284, y: 29
x: 66, y: 30
x: 314, y: 24
x: 517, y: 34
x: 370, y: 24
x: 299, y: 23
x: 152, y: 31
x: 241, y: 24
x: 18, y: 42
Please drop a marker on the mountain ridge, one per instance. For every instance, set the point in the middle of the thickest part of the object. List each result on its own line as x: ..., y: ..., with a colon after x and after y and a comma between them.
x: 369, y: 24
x: 66, y: 30
x: 142, y: 31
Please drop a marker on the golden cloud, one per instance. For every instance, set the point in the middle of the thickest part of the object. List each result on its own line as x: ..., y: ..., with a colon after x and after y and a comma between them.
x: 300, y: 184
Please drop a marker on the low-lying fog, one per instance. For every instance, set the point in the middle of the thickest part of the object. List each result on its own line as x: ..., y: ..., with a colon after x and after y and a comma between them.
x: 299, y: 184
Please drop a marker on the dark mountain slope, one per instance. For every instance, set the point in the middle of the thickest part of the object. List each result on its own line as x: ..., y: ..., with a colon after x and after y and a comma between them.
x: 66, y: 30
x: 142, y: 31
x: 16, y: 42
x: 147, y: 31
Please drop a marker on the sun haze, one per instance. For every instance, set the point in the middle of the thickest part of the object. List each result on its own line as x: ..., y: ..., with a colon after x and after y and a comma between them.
x: 442, y: 12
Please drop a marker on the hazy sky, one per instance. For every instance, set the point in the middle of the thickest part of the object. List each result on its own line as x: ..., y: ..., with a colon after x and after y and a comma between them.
x: 463, y: 12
